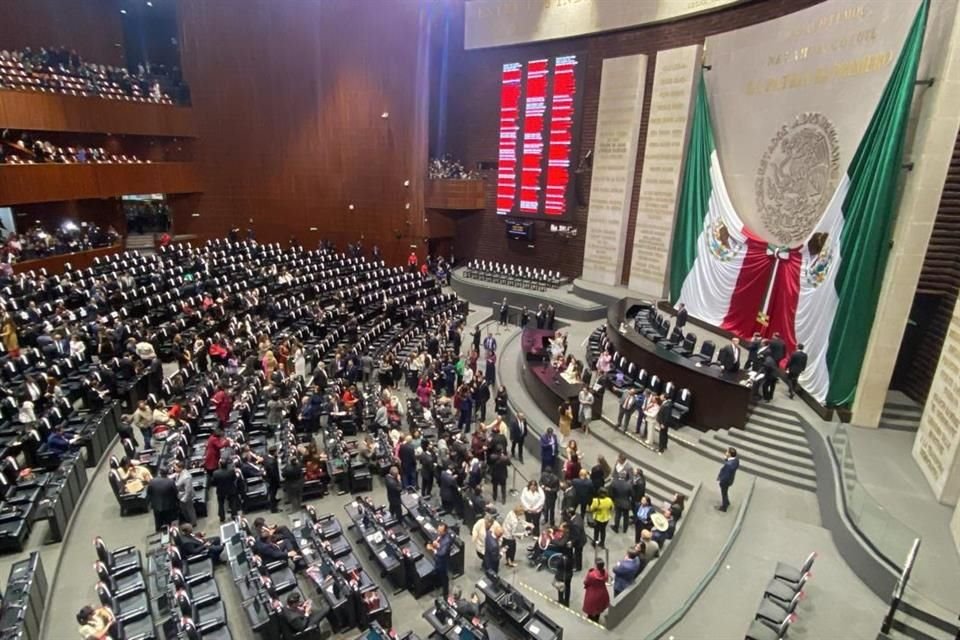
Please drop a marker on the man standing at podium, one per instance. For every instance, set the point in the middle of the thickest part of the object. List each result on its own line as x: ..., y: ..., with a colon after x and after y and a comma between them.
x: 729, y: 356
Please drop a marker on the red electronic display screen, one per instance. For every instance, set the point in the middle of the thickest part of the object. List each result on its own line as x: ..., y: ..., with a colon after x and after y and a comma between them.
x: 538, y: 105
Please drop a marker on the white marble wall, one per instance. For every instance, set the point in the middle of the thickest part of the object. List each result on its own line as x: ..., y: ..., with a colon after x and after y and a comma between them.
x: 614, y: 161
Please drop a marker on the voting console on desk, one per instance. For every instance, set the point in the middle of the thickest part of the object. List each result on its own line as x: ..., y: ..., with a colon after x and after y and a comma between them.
x: 504, y: 601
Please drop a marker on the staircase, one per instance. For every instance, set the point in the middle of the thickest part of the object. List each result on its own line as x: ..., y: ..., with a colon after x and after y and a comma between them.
x: 773, y: 445
x: 901, y: 414
x: 142, y: 243
x: 915, y: 623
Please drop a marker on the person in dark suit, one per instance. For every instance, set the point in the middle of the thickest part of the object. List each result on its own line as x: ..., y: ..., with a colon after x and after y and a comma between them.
x: 551, y: 316
x: 627, y: 406
x: 778, y: 348
x: 441, y: 548
x: 228, y: 495
x: 621, y: 490
x: 728, y: 472
x: 394, y: 491
x: 665, y: 420
x: 753, y: 347
x: 407, y: 453
x: 299, y: 616
x: 271, y: 472
x: 796, y: 365
x: 583, y: 490
x: 449, y: 491
x: 163, y: 498
x: 293, y: 479
x: 626, y: 571
x: 518, y: 435
x: 682, y: 315
x: 550, y: 483
x: 578, y: 537
x: 428, y: 471
x: 491, y: 550
x: 771, y: 371
x: 499, y: 463
x: 193, y: 544
x: 729, y: 356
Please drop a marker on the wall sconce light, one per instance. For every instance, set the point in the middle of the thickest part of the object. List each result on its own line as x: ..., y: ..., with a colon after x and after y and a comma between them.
x: 406, y: 206
x: 406, y: 183
x: 385, y: 115
x: 351, y: 207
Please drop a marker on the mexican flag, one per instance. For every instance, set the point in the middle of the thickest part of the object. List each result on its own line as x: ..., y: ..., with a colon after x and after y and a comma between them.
x: 709, y: 238
x: 823, y: 293
x: 840, y: 284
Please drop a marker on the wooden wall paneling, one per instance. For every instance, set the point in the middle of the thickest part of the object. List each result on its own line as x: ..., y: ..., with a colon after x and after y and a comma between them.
x: 92, y: 27
x: 55, y: 264
x: 473, y: 113
x: 50, y: 112
x: 290, y: 130
x: 52, y: 182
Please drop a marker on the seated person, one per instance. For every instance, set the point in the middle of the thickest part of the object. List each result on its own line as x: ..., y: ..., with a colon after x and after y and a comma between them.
x: 299, y: 615
x: 270, y: 549
x: 468, y: 608
x: 314, y: 470
x: 194, y: 544
x: 95, y: 624
x: 57, y: 443
x: 285, y: 537
x: 134, y: 475
x: 626, y: 571
x: 249, y: 468
x: 664, y: 524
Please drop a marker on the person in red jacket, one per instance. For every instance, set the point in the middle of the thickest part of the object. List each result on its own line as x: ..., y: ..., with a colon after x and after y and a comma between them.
x: 222, y: 405
x: 596, y: 598
x: 215, y: 443
x: 412, y: 262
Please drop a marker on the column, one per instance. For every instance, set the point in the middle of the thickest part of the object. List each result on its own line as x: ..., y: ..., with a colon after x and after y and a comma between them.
x: 935, y: 126
x: 614, y: 163
x: 673, y: 85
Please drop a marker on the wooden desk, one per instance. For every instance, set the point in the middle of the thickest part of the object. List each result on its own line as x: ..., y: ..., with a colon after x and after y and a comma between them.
x: 54, y: 264
x: 719, y: 400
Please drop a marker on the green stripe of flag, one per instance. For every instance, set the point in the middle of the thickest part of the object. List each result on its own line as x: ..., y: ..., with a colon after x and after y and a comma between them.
x: 695, y: 191
x: 868, y: 216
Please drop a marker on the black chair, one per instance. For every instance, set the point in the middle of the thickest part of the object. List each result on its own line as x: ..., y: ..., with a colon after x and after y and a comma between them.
x: 212, y: 630
x: 707, y: 350
x: 123, y: 604
x: 202, y: 613
x: 681, y: 405
x: 201, y: 588
x: 198, y: 565
x: 771, y: 612
x: 121, y: 583
x: 128, y: 502
x: 120, y: 561
x: 689, y: 345
x: 762, y: 631
x: 782, y: 592
x: 791, y: 574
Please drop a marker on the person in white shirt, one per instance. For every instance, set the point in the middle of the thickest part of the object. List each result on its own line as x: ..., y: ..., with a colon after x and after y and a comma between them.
x: 26, y: 415
x: 532, y: 498
x: 479, y: 535
x: 514, y: 528
x: 77, y: 347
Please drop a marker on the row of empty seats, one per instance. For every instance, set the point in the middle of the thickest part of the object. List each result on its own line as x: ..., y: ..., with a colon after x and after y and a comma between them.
x: 514, y: 275
x: 780, y: 599
x: 626, y: 375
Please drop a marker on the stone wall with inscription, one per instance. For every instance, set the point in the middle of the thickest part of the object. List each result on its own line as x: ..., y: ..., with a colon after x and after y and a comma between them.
x: 619, y: 113
x: 955, y: 527
x: 667, y: 125
x: 937, y: 445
